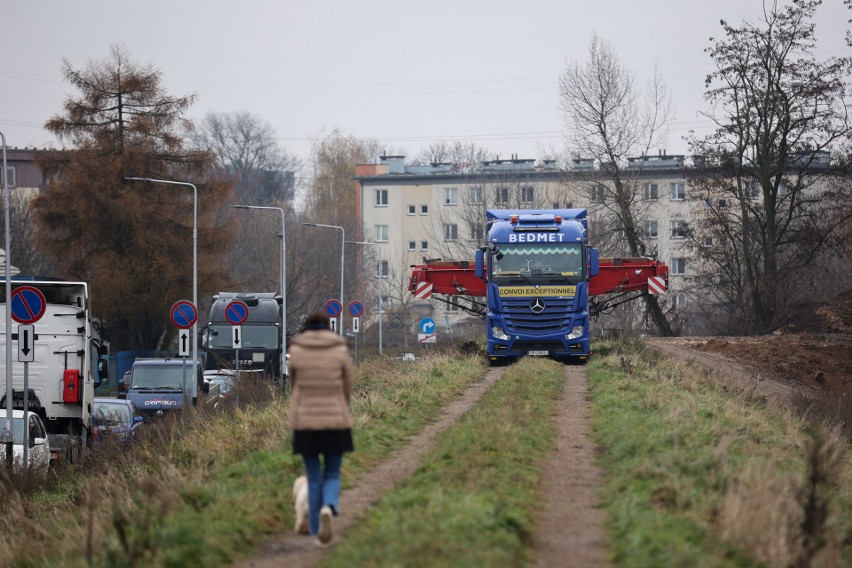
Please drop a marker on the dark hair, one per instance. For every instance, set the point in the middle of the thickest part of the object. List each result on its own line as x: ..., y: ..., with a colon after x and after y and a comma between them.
x: 316, y: 320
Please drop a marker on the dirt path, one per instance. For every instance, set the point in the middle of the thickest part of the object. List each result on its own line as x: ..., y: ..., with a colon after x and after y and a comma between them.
x: 728, y: 372
x: 571, y: 524
x: 291, y: 549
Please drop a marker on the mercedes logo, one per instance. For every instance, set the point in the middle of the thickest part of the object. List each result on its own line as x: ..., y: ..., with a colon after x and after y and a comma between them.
x: 537, y: 305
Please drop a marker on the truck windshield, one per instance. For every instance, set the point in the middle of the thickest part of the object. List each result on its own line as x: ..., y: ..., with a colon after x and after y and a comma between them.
x: 536, y: 260
x: 253, y: 337
x: 161, y: 377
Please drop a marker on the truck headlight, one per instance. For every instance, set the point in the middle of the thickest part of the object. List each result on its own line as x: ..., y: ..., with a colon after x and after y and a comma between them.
x: 576, y: 331
x: 498, y: 333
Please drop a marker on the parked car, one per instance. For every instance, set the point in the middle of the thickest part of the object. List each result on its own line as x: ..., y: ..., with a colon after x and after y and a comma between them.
x: 220, y: 378
x: 123, y: 384
x: 39, y: 448
x: 115, y: 417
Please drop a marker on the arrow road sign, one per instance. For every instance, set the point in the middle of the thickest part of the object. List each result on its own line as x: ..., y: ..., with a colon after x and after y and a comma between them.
x: 236, y: 312
x: 26, y: 343
x: 235, y: 336
x: 28, y: 304
x: 183, y: 343
x: 183, y: 314
x: 356, y: 325
x: 427, y: 325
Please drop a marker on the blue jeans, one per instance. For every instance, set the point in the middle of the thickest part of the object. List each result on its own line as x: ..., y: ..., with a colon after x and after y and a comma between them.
x: 323, y: 485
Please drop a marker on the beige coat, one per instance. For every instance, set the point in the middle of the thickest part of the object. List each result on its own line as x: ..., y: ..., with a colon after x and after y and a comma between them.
x: 320, y: 373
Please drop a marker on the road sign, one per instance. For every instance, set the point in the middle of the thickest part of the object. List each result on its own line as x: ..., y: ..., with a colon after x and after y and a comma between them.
x: 236, y: 312
x: 356, y: 324
x: 427, y: 337
x: 183, y: 314
x: 28, y: 304
x: 427, y: 325
x: 334, y: 325
x: 356, y: 308
x: 183, y: 342
x: 26, y: 343
x: 235, y: 336
x: 333, y: 308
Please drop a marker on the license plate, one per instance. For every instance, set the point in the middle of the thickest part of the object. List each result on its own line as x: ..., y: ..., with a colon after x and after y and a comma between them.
x: 538, y: 353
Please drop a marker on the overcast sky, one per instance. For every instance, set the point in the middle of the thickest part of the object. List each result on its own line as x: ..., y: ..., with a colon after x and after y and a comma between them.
x: 401, y: 72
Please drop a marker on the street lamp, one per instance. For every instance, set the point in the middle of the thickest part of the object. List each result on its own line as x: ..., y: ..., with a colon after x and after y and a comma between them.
x: 194, y: 257
x: 283, y: 281
x: 7, y: 431
x: 342, y: 244
x: 379, y: 278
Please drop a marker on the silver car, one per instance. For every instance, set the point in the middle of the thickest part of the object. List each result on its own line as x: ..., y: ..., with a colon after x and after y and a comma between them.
x: 39, y: 447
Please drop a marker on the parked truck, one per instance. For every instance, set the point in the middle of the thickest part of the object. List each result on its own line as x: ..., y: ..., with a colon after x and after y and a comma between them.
x: 159, y: 385
x: 260, y: 334
x: 68, y: 364
x: 537, y: 274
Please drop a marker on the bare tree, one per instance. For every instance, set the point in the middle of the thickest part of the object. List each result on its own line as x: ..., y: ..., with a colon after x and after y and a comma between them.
x: 609, y: 120
x: 461, y: 155
x: 765, y: 173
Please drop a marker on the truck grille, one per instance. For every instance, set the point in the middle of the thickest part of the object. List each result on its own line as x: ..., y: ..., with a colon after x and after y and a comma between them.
x: 520, y: 320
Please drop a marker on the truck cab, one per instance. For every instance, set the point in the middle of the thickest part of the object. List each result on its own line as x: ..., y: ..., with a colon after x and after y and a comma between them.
x: 157, y: 386
x: 537, y: 266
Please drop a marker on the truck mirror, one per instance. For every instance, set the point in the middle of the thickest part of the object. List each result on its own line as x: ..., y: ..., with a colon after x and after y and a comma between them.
x: 594, y: 262
x: 103, y: 368
x: 480, y: 264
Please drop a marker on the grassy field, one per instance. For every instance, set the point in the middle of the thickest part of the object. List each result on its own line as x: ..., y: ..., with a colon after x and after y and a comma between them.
x: 698, y: 475
x: 695, y: 475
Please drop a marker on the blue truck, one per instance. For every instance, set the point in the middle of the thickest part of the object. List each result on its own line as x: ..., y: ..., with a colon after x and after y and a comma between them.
x: 157, y: 386
x: 537, y: 273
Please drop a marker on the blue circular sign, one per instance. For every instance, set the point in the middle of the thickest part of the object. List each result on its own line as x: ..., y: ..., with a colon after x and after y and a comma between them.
x: 236, y: 312
x: 183, y: 314
x: 356, y: 308
x: 333, y: 308
x: 28, y: 304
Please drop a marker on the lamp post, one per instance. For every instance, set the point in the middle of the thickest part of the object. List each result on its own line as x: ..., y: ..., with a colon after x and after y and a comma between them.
x: 194, y: 256
x: 342, y: 244
x: 7, y: 430
x: 283, y: 281
x: 379, y: 278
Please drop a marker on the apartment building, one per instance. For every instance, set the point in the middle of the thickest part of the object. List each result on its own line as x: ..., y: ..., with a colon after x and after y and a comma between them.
x: 437, y: 211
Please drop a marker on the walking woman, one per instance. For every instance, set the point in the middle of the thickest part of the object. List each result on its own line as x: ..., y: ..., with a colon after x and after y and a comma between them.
x: 320, y: 372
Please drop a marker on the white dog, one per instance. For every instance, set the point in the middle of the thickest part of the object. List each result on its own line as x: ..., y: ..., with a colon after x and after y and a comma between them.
x: 300, y: 501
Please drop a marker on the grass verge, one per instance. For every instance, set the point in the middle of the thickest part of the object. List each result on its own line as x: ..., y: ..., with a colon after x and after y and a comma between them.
x: 203, y: 490
x: 698, y: 475
x: 472, y: 501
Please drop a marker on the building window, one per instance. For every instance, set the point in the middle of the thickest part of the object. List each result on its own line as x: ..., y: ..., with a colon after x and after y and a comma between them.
x: 453, y: 304
x: 412, y: 209
x: 381, y: 233
x: 424, y: 245
x: 381, y: 198
x: 383, y: 269
x: 412, y: 245
x: 651, y: 191
x: 620, y: 233
x: 477, y: 232
x: 11, y: 176
x: 678, y: 192
x: 723, y: 203
x: 451, y: 196
x: 451, y: 232
x: 502, y: 195
x: 424, y: 209
x: 474, y: 195
x: 597, y: 192
x: 527, y: 194
x: 677, y: 266
x: 708, y: 241
x: 679, y: 301
x: 651, y: 229
x: 569, y: 205
x: 752, y: 190
x: 678, y: 229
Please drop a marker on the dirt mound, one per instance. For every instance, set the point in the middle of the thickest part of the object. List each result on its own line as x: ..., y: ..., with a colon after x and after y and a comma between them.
x: 834, y: 316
